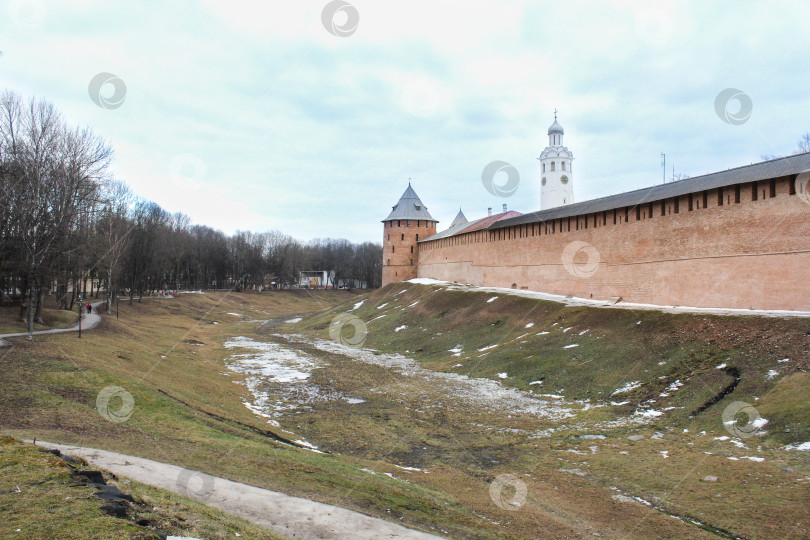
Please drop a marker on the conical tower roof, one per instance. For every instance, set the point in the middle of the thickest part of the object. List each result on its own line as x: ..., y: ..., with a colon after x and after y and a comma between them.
x: 460, y: 219
x: 409, y: 207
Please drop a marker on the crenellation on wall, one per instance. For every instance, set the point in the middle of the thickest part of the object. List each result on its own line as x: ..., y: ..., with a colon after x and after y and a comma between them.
x: 735, y: 254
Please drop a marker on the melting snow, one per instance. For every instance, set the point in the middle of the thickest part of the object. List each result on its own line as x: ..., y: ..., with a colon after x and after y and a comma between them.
x: 567, y: 329
x: 277, y: 378
x: 308, y: 446
x: 529, y: 325
x: 503, y: 375
x: 408, y: 468
x: 382, y: 305
x: 648, y: 413
x: 542, y: 333
x: 627, y: 387
x: 492, y: 299
x: 358, y: 304
x: 754, y: 458
x: 541, y: 382
x: 585, y: 331
x: 294, y: 320
x: 398, y: 328
x: 759, y: 423
x: 477, y: 392
x: 771, y: 374
x: 804, y: 447
x: 721, y: 366
x: 571, y: 346
x: 487, y: 348
x: 784, y: 360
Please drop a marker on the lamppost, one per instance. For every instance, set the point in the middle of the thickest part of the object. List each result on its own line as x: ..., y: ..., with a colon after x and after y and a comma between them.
x: 80, y: 316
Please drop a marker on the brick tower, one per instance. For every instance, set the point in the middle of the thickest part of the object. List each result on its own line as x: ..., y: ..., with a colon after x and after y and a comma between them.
x: 408, y: 222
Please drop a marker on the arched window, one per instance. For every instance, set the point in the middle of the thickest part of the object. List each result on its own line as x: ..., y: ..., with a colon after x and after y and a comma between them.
x: 417, y: 237
x: 411, y: 249
x: 544, y: 167
x: 563, y: 165
x: 389, y: 262
x: 403, y: 236
x: 392, y: 249
x: 552, y: 165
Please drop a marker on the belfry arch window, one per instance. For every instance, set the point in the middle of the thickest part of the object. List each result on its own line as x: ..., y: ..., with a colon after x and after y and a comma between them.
x: 562, y: 164
x: 552, y: 165
x: 544, y: 167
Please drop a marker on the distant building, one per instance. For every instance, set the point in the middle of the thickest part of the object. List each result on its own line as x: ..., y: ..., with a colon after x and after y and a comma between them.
x: 315, y: 279
x: 556, y: 174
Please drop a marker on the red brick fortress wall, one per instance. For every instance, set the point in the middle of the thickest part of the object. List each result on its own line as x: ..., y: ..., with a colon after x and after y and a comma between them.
x: 751, y: 251
x: 401, y: 248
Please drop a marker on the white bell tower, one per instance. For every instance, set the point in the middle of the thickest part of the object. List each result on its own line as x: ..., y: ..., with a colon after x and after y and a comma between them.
x: 556, y: 176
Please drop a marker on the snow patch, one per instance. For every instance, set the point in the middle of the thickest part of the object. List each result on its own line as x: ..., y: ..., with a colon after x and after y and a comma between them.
x: 502, y: 375
x: 804, y: 447
x: 771, y: 374
x: 492, y: 299
x: 358, y: 304
x: 529, y: 325
x: 627, y: 387
x: 294, y: 320
x: 571, y: 346
x: 398, y: 328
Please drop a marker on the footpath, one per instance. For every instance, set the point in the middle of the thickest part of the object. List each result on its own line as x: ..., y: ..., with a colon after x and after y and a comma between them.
x: 89, y: 321
x: 288, y: 515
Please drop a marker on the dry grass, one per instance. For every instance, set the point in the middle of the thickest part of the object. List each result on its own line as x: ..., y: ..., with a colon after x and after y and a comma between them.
x: 189, y: 412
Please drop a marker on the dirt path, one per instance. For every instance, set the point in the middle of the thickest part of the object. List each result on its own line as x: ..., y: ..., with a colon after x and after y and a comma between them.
x: 293, y: 516
x: 89, y: 321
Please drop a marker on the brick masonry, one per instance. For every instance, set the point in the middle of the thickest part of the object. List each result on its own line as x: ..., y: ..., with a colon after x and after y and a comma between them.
x: 401, y: 247
x: 746, y: 254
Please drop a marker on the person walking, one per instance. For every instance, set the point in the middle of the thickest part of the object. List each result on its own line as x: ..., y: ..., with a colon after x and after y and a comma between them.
x: 89, y: 308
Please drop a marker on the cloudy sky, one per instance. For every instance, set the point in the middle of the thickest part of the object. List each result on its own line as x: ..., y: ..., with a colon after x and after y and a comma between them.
x: 278, y: 115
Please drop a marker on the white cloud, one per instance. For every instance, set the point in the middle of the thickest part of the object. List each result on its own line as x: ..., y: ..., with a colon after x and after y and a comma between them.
x: 317, y: 135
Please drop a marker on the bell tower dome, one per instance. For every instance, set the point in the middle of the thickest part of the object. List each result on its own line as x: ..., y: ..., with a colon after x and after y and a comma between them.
x: 556, y: 174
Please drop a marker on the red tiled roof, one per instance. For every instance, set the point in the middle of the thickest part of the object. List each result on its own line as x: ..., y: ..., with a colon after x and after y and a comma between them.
x: 487, y: 221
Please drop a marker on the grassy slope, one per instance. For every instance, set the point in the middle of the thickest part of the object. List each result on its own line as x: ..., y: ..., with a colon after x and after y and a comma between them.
x: 619, y: 347
x: 52, y: 317
x: 50, y: 388
x: 40, y: 498
x: 188, y: 411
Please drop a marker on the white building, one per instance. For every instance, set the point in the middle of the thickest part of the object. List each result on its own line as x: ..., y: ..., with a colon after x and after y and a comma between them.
x: 556, y: 175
